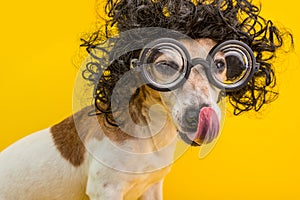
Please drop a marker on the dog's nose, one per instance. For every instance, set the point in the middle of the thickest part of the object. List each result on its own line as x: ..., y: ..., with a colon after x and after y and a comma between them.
x: 191, y: 119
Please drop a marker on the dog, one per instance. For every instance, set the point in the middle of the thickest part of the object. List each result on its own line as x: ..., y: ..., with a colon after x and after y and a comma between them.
x: 54, y: 163
x: 92, y: 156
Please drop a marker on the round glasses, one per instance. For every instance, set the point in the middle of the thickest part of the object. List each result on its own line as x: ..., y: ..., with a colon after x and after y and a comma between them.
x: 166, y: 64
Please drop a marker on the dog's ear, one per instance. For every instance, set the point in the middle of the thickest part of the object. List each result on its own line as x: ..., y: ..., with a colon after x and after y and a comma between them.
x: 140, y: 103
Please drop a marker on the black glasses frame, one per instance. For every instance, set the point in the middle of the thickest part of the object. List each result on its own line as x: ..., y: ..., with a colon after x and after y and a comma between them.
x: 189, y: 63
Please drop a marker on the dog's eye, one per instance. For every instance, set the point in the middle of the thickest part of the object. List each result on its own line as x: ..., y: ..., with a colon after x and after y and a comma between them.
x: 166, y: 68
x: 220, y: 65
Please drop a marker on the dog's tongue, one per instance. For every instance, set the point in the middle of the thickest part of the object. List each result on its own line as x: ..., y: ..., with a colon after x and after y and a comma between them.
x: 208, y: 126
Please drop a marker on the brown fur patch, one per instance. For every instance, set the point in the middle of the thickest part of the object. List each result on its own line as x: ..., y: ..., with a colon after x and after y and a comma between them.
x: 69, y: 138
x: 68, y: 142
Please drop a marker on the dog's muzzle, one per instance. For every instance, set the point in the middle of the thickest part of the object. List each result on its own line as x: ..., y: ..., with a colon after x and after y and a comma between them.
x: 199, y: 126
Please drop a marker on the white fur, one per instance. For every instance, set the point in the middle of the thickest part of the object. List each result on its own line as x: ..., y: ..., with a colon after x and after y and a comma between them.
x: 33, y: 168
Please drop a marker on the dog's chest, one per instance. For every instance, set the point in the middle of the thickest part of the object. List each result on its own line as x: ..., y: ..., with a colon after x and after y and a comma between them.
x: 128, y: 173
x: 143, y: 182
x: 130, y: 185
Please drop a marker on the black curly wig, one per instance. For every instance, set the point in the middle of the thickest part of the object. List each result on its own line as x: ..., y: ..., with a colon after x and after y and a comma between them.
x: 219, y: 20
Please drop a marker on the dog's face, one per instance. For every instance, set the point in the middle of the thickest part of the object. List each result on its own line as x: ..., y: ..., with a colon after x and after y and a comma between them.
x: 193, y: 106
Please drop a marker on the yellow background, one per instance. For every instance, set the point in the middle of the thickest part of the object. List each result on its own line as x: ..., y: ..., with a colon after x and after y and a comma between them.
x: 257, y: 157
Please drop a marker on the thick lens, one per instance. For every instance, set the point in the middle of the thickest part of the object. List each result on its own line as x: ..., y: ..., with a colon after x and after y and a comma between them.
x: 232, y: 65
x: 164, y: 63
x: 164, y: 66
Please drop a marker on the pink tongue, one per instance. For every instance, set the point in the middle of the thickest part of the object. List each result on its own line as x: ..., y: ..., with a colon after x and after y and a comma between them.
x: 208, y: 125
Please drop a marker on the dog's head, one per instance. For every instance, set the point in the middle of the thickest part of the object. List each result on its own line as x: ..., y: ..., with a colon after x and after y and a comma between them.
x: 185, y: 76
